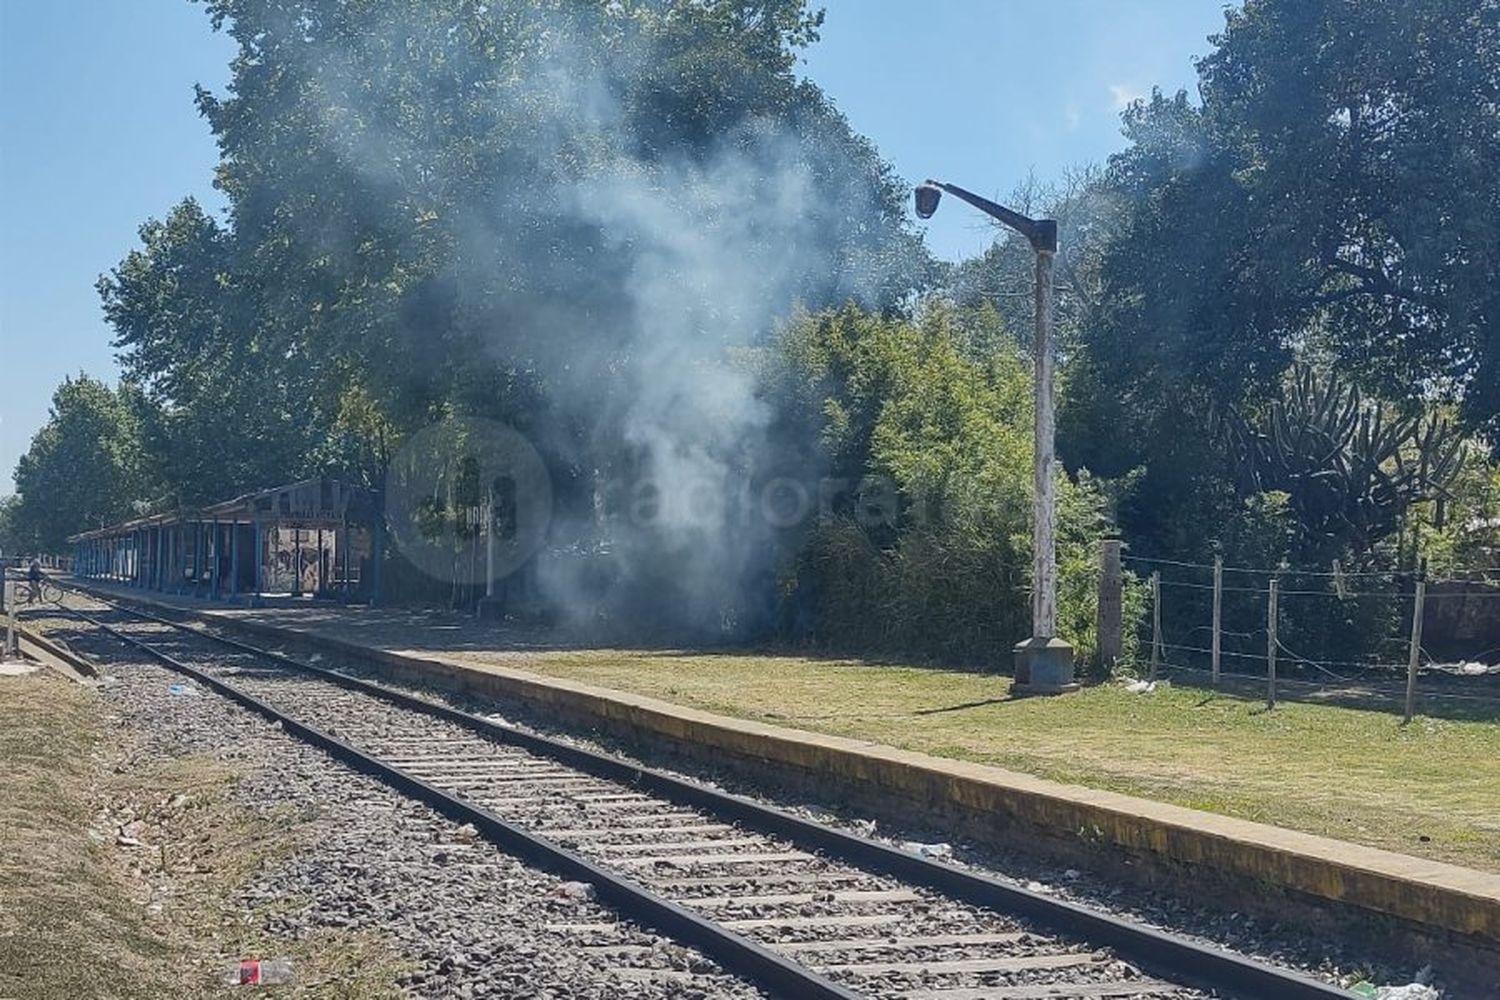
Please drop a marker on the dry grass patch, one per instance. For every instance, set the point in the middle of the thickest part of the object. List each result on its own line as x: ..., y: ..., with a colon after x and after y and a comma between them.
x: 67, y: 926
x: 1431, y: 789
x: 117, y: 871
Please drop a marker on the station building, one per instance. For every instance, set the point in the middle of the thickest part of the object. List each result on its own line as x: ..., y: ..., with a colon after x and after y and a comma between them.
x: 310, y: 538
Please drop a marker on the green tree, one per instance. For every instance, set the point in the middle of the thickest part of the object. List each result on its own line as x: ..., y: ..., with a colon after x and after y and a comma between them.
x: 233, y: 400
x: 1086, y: 207
x: 85, y: 467
x: 1362, y: 137
x: 1351, y: 468
x: 12, y: 541
x: 442, y: 199
x: 1332, y: 199
x: 561, y: 216
x: 924, y: 547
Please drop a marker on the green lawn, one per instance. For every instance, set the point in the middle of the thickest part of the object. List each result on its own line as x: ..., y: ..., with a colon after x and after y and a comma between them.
x: 1431, y: 788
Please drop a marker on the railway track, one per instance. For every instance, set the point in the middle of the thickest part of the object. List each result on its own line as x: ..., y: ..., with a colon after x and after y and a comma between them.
x: 801, y: 909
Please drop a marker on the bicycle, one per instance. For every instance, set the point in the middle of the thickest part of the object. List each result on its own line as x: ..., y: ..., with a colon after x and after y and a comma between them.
x: 28, y: 594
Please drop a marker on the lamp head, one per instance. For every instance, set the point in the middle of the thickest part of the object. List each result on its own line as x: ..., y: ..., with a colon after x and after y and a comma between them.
x: 927, y: 196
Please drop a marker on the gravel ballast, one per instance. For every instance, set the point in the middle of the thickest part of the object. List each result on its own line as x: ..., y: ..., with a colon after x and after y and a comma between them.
x: 469, y: 920
x: 787, y: 899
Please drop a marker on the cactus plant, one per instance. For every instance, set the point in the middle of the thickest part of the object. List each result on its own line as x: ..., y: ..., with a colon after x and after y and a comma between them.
x: 1351, y: 466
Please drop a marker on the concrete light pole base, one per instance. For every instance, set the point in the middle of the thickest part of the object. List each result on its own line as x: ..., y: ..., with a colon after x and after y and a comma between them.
x: 1044, y: 666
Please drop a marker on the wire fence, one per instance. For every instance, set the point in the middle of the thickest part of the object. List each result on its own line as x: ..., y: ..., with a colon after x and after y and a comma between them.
x: 1335, y: 624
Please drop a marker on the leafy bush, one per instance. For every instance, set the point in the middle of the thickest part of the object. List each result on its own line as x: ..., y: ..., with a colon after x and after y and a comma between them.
x: 931, y: 555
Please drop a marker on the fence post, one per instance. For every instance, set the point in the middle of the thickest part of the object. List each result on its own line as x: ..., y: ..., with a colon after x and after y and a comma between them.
x: 1111, y: 641
x: 1416, y: 647
x: 1271, y: 646
x: 11, y: 649
x: 1218, y: 614
x: 1155, y: 622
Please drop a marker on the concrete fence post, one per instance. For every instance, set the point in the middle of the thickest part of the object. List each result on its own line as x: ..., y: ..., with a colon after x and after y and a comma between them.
x: 1271, y: 645
x: 343, y: 544
x: 1156, y: 649
x: 1218, y: 631
x: 1111, y: 598
x: 1415, y: 656
x: 10, y: 617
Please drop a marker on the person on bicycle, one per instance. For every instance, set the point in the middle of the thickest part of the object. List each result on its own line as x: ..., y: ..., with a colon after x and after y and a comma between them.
x: 34, y: 577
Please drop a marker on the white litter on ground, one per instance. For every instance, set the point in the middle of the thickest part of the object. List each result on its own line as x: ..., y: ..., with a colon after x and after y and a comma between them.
x: 1411, y: 991
x: 575, y: 890
x: 1467, y: 668
x: 937, y: 851
x: 1140, y: 687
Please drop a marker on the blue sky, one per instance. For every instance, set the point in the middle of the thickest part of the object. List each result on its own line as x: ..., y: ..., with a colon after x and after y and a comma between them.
x: 98, y: 131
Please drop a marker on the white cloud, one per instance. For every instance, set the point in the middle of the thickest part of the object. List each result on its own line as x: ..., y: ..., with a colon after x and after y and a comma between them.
x: 1121, y: 94
x: 1072, y: 116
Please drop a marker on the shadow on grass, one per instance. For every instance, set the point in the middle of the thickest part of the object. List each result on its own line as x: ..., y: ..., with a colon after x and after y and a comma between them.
x: 1007, y: 700
x: 1360, y: 695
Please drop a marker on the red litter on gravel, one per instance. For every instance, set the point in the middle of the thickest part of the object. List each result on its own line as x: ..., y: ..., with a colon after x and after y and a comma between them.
x: 255, y: 972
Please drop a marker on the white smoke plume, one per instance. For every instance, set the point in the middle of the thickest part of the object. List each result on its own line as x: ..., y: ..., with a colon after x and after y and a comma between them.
x: 613, y: 277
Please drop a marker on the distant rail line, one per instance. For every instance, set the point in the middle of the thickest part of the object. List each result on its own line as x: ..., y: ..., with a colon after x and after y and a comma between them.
x: 801, y: 909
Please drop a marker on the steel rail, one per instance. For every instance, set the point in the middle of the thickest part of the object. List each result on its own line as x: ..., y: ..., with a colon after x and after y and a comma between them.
x: 736, y: 953
x: 1157, y: 952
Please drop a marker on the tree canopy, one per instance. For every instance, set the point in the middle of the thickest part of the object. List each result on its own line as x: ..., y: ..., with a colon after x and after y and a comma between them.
x: 84, y: 467
x: 562, y: 216
x: 1332, y: 199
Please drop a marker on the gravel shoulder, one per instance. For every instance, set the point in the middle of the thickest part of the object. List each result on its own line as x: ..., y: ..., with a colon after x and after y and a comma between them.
x: 68, y: 926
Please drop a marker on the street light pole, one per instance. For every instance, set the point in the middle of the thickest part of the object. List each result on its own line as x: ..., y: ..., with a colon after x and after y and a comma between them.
x: 1044, y: 490
x: 1043, y: 663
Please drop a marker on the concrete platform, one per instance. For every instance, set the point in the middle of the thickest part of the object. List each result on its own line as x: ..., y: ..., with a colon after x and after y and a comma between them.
x: 55, y: 657
x: 1364, y: 884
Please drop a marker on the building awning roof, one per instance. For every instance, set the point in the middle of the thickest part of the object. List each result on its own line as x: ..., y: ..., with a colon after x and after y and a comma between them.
x: 308, y: 502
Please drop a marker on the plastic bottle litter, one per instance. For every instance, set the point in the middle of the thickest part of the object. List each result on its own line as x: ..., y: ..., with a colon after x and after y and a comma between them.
x: 259, y: 972
x: 179, y: 690
x: 935, y: 851
x: 1411, y: 991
